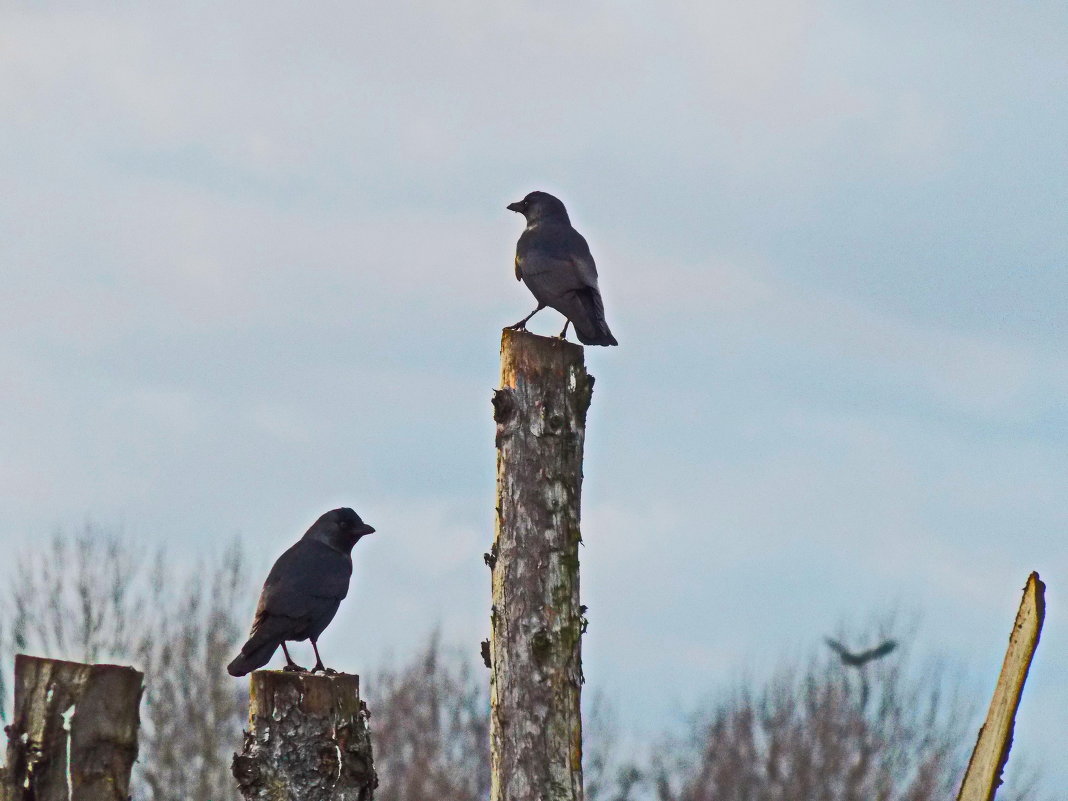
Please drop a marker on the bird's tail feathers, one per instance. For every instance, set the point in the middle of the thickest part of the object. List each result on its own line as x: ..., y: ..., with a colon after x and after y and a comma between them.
x: 604, y: 338
x: 255, y: 653
x: 593, y: 330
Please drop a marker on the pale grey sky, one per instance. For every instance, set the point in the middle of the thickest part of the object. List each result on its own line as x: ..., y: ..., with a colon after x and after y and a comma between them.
x: 255, y: 261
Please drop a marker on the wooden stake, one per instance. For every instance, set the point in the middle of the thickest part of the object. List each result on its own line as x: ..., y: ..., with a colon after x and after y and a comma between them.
x: 983, y: 776
x: 308, y: 739
x: 536, y: 620
x: 74, y: 731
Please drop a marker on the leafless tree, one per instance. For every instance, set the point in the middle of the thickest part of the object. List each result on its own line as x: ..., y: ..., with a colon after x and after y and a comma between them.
x: 93, y: 596
x: 900, y: 732
x: 85, y: 595
x: 194, y: 711
x: 609, y: 772
x: 430, y: 723
x: 811, y: 731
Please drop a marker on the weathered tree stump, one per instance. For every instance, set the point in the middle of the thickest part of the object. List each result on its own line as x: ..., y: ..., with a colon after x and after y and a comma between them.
x: 308, y: 739
x: 983, y: 776
x: 74, y: 731
x: 537, y: 621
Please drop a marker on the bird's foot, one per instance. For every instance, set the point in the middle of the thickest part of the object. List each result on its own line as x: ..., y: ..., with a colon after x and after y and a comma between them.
x: 293, y: 667
x: 319, y: 666
x: 520, y: 326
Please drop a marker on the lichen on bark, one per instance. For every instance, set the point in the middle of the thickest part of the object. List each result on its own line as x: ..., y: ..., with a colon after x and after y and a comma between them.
x: 308, y: 740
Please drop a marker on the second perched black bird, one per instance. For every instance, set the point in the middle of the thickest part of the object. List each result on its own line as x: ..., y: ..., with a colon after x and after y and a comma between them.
x: 303, y: 591
x: 554, y: 261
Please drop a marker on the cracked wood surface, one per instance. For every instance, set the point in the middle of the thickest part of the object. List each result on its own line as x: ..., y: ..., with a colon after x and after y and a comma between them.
x: 73, y: 735
x: 983, y: 776
x: 536, y: 618
x: 308, y: 739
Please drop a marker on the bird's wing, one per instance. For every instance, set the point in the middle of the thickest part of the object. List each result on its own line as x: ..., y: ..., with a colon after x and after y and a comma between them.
x: 837, y: 647
x: 585, y: 266
x: 880, y: 650
x: 305, y: 577
x: 557, y: 254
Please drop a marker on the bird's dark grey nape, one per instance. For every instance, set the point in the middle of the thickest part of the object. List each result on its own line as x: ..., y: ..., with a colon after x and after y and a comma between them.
x: 303, y: 591
x: 555, y: 263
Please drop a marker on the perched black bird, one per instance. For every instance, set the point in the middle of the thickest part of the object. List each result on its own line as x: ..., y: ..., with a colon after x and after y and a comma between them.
x: 555, y: 262
x: 860, y: 659
x: 303, y: 591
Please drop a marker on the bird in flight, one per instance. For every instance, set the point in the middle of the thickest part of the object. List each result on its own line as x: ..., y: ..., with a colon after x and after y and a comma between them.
x: 555, y: 263
x: 303, y: 592
x: 863, y: 657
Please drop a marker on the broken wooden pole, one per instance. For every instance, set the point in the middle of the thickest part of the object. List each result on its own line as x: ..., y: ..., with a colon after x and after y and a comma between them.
x: 73, y: 735
x: 308, y: 739
x: 537, y: 620
x: 983, y: 776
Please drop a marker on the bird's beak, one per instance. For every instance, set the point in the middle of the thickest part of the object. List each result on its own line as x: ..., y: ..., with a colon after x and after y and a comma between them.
x: 367, y: 529
x: 517, y: 206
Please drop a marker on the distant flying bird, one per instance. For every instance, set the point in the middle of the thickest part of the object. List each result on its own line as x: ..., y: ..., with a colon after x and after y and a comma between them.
x: 555, y: 263
x: 860, y: 659
x: 303, y: 591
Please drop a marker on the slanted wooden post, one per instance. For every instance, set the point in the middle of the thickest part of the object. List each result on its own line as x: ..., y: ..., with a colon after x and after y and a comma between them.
x: 536, y: 620
x: 983, y: 776
x: 74, y: 731
x: 308, y: 739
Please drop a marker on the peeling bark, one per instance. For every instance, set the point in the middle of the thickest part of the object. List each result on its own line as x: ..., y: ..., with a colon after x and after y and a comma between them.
x: 74, y: 731
x: 537, y: 621
x: 308, y: 740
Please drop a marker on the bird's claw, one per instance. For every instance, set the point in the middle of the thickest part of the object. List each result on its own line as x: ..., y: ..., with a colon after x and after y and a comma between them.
x: 520, y: 326
x: 325, y: 670
x: 294, y: 668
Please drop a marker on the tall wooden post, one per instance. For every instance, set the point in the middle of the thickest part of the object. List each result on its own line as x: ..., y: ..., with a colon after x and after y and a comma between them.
x: 308, y: 739
x: 536, y: 620
x: 73, y: 736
